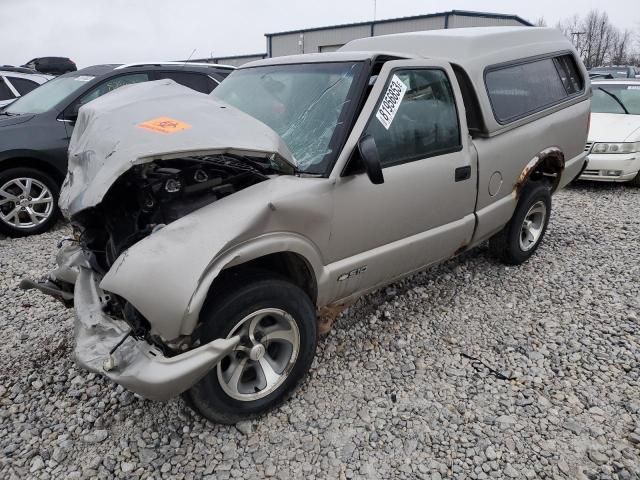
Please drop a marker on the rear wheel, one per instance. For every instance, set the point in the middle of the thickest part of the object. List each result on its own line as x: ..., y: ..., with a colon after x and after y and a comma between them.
x: 522, y: 235
x: 277, y: 324
x: 28, y: 202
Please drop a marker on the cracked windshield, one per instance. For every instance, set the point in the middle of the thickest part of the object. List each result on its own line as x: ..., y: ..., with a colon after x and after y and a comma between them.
x: 303, y: 103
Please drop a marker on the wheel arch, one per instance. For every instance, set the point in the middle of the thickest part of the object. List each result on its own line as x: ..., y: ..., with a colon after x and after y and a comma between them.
x: 289, y: 255
x: 547, y: 164
x: 32, y: 161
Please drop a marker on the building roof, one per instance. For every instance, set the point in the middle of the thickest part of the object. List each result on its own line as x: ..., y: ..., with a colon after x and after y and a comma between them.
x: 464, y: 13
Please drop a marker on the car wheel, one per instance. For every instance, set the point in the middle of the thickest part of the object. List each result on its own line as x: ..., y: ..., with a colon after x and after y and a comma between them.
x: 277, y: 323
x: 635, y: 181
x: 524, y: 232
x: 28, y: 202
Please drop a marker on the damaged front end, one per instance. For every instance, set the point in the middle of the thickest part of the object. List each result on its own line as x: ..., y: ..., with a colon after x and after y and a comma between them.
x: 120, y: 193
x: 106, y: 344
x: 112, y: 336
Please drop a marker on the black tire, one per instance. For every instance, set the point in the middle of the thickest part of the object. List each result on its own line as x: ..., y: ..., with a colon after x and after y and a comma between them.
x: 506, y: 245
x: 243, y: 294
x: 40, y: 177
x: 635, y: 181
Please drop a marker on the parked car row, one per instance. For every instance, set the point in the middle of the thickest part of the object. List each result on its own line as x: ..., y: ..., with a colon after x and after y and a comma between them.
x: 210, y: 232
x: 35, y: 131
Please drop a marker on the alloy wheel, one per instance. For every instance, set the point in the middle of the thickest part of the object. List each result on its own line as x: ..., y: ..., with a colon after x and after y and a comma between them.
x: 265, y: 356
x: 533, y: 225
x: 25, y: 203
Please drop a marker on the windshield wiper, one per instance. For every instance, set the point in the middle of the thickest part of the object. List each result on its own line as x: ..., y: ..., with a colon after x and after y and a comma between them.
x: 615, y: 98
x: 9, y: 114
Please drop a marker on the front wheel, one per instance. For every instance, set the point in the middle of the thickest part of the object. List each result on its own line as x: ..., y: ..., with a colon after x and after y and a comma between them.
x: 523, y: 234
x: 277, y: 324
x: 28, y: 202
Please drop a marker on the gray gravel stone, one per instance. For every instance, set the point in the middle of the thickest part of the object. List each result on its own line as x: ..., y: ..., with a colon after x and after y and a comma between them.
x: 96, y: 436
x: 391, y: 393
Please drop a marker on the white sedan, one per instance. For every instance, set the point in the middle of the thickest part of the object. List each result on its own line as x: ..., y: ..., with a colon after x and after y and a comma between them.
x: 614, y: 136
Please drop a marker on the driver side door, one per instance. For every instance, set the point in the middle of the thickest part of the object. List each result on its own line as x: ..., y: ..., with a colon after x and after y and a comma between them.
x: 424, y: 210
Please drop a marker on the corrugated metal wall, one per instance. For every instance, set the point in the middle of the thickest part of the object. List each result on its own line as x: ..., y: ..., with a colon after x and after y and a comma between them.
x: 314, y: 41
x: 331, y: 38
x: 461, y: 21
x: 287, y: 44
x: 414, y: 25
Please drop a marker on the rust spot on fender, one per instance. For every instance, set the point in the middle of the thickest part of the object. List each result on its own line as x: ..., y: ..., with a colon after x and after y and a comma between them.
x: 550, y: 158
x: 328, y: 314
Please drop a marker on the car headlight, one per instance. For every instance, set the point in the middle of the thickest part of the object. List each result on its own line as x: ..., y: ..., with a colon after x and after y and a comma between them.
x: 626, y: 147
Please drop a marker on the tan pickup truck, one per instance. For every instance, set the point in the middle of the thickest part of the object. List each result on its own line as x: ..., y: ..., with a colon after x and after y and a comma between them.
x: 211, y: 232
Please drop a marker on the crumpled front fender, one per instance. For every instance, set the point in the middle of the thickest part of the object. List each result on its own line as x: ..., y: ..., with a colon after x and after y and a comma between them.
x: 167, y: 275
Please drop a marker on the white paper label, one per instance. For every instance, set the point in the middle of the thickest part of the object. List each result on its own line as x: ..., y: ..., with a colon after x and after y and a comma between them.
x: 633, y: 87
x: 391, y: 101
x: 84, y: 78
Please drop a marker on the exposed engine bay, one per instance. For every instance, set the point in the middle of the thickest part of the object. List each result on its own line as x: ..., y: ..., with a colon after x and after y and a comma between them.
x: 150, y: 196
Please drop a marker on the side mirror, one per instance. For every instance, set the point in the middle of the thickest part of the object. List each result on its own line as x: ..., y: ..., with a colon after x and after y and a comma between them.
x: 371, y: 159
x: 71, y: 114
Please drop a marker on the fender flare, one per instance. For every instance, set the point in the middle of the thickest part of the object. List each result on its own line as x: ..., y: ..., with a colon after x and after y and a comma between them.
x: 244, y: 252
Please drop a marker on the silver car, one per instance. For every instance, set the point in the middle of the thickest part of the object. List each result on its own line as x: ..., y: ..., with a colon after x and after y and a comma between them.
x: 18, y: 81
x: 214, y: 236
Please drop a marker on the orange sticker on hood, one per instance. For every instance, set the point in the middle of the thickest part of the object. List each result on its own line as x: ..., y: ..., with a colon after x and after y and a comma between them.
x: 164, y: 125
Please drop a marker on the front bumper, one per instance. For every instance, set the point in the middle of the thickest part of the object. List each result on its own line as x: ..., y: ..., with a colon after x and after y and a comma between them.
x: 135, y: 364
x: 612, y: 167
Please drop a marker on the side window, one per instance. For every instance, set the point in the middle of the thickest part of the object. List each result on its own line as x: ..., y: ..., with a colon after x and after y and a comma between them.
x: 196, y: 81
x: 568, y: 70
x: 22, y: 85
x: 112, y: 84
x: 425, y: 122
x: 518, y: 90
x: 5, y: 92
x: 220, y: 75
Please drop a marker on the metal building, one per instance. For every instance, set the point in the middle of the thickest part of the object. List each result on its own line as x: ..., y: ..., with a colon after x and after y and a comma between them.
x: 329, y: 39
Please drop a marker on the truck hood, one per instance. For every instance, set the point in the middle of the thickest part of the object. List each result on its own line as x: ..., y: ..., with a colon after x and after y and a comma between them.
x: 150, y: 121
x: 614, y: 127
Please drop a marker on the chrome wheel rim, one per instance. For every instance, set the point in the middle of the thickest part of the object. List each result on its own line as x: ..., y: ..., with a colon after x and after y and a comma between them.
x: 269, y: 347
x: 533, y: 225
x: 25, y: 203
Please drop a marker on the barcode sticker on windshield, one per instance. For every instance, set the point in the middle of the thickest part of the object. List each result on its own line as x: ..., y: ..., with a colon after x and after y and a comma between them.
x: 391, y: 101
x: 633, y: 87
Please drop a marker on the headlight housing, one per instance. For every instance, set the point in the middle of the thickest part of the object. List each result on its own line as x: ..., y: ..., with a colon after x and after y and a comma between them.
x: 625, y: 147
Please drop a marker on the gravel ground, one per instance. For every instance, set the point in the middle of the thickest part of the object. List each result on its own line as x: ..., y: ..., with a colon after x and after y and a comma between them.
x: 554, y: 392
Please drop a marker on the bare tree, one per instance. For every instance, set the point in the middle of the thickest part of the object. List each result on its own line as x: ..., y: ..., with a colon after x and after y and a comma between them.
x: 540, y: 22
x: 599, y: 42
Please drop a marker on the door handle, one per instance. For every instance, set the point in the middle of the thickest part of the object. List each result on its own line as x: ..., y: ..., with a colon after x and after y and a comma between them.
x: 463, y: 173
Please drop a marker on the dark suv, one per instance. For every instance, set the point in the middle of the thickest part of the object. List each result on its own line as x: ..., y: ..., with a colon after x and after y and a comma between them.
x: 36, y: 128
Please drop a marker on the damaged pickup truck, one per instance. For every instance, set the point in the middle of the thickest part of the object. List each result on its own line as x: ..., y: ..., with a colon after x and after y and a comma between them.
x: 210, y: 232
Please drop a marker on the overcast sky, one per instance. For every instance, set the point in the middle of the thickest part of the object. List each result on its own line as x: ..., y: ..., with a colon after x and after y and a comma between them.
x: 116, y: 31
